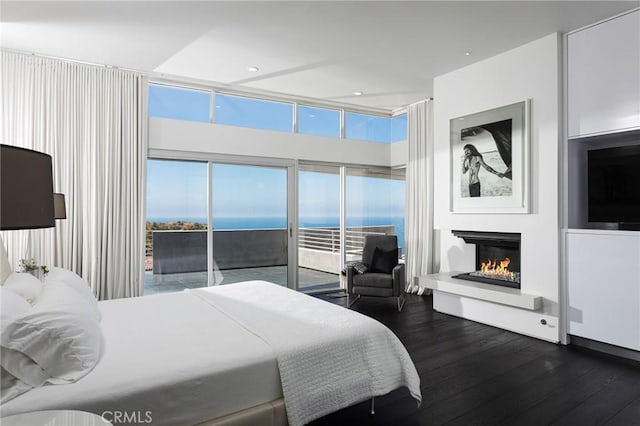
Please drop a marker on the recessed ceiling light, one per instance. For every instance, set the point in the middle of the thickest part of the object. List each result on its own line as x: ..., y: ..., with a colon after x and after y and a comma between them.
x: 467, y: 53
x: 358, y: 93
x: 253, y: 69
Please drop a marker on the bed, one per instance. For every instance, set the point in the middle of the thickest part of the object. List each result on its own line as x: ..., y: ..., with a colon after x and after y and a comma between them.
x: 247, y: 353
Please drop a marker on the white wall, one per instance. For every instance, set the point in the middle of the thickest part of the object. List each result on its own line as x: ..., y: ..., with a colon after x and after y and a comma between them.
x: 179, y: 135
x: 399, y: 154
x: 531, y: 72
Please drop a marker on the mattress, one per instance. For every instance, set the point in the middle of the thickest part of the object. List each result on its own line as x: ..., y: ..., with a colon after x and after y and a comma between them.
x: 169, y: 357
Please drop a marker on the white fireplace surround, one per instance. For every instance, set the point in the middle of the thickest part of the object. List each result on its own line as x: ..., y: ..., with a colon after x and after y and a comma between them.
x: 444, y: 282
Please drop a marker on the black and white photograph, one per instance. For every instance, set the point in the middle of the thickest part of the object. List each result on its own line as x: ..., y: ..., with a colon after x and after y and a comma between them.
x: 486, y: 160
x: 489, y: 159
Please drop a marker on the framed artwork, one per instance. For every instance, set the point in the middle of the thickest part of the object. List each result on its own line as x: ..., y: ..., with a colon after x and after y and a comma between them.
x: 490, y: 161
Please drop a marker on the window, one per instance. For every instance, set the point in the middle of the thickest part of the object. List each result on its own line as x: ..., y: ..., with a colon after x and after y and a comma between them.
x: 176, y: 238
x: 367, y: 127
x: 375, y: 204
x: 248, y: 237
x: 318, y: 121
x: 179, y: 103
x: 195, y: 105
x: 399, y: 128
x: 249, y: 197
x: 254, y: 113
x: 319, y: 227
x: 249, y: 223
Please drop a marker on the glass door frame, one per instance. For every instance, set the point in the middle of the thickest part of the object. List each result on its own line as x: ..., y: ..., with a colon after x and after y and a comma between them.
x: 291, y: 166
x: 300, y: 164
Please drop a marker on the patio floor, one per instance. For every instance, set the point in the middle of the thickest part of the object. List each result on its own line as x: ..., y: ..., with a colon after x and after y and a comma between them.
x: 309, y: 279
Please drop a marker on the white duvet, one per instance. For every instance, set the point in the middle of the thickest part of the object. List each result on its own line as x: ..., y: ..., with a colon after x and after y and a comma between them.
x: 329, y: 357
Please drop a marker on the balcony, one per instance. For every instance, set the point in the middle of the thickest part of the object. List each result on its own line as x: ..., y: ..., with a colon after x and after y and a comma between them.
x: 177, y: 260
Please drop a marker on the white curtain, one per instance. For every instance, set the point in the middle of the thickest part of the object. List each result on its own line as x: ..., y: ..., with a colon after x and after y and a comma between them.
x: 92, y: 121
x: 419, y: 227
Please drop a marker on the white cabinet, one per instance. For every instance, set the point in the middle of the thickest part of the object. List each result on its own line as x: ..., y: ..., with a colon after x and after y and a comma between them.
x: 603, y: 279
x: 603, y: 77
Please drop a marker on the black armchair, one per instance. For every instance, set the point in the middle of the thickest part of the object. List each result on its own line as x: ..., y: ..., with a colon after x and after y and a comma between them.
x: 379, y: 273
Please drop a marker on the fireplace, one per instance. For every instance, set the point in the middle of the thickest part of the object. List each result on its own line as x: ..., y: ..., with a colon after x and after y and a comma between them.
x: 497, y: 257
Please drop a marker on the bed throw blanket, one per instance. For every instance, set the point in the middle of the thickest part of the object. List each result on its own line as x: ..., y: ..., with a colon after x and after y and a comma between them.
x: 329, y: 357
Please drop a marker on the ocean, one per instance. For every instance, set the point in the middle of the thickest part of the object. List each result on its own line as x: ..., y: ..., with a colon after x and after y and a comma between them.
x: 281, y: 223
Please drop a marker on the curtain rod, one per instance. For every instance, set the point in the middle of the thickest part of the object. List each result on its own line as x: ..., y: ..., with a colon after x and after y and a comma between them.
x: 75, y: 61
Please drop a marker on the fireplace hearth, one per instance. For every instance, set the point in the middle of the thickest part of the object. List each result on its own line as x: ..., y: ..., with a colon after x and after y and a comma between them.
x: 497, y: 257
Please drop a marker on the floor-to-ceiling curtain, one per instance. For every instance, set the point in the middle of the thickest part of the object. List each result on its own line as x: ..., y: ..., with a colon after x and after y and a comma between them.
x: 418, y: 231
x: 92, y: 121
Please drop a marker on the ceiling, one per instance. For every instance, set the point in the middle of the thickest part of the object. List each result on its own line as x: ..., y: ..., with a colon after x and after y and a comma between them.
x: 326, y: 50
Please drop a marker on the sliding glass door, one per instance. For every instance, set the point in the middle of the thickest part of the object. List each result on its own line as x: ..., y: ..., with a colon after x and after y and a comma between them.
x: 176, y: 228
x: 222, y: 222
x: 319, y: 227
x: 250, y: 224
x: 212, y: 223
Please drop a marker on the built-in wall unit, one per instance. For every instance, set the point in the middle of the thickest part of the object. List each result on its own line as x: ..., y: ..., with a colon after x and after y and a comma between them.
x: 602, y: 191
x: 517, y: 93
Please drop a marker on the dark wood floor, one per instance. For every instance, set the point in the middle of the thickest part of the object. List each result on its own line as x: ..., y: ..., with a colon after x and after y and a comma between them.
x: 473, y: 374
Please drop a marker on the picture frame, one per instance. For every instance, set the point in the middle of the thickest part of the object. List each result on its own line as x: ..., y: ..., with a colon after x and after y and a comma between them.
x: 489, y: 154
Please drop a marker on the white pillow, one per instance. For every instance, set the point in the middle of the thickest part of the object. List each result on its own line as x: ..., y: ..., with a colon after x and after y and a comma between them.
x: 12, y: 305
x: 26, y: 285
x: 10, y: 386
x: 59, y: 333
x: 89, y: 305
x: 76, y: 282
x: 19, y: 365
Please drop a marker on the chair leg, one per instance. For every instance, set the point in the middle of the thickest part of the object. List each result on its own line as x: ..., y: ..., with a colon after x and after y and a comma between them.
x: 351, y: 300
x: 400, y: 303
x: 372, y: 411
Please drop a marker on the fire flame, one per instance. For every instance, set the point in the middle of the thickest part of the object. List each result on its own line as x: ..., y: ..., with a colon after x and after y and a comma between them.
x: 495, y: 268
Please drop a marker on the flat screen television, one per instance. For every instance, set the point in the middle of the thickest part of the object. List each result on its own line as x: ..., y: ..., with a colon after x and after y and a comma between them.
x: 614, y: 185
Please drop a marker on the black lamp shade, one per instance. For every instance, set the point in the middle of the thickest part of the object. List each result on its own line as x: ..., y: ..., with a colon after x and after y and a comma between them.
x: 26, y: 189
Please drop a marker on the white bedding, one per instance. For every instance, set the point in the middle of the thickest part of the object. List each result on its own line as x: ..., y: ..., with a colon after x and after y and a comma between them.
x: 172, y: 355
x: 196, y: 355
x: 329, y: 357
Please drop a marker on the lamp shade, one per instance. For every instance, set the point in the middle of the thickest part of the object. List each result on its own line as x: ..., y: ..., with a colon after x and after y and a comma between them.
x: 26, y: 189
x: 59, y: 206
